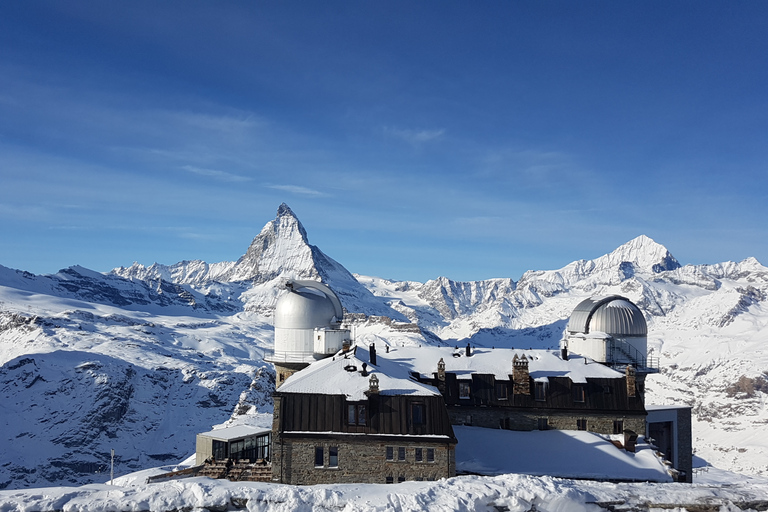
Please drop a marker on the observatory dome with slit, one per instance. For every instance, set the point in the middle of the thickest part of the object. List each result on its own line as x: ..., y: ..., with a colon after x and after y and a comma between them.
x: 614, y: 315
x: 610, y: 330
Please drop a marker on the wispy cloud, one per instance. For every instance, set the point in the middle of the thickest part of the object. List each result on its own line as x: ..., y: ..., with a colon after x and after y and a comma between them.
x: 296, y: 189
x: 219, y: 175
x: 414, y: 137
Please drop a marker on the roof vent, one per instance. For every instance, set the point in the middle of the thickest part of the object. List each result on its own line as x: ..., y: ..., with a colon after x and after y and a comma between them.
x: 351, y: 368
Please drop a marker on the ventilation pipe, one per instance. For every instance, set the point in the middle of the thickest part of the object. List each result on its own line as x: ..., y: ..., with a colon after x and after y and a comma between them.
x: 372, y: 352
x: 469, y: 350
x: 564, y: 353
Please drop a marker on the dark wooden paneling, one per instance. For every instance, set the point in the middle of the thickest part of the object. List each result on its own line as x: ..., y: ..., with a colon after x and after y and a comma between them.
x: 386, y: 415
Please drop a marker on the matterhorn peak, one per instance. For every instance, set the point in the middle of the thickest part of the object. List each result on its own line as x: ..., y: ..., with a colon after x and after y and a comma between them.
x: 281, y: 246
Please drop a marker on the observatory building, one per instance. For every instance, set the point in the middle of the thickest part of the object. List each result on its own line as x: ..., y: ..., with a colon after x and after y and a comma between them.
x: 610, y: 330
x: 307, y: 327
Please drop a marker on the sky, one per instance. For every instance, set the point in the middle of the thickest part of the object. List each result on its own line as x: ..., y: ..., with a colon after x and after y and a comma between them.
x: 412, y: 139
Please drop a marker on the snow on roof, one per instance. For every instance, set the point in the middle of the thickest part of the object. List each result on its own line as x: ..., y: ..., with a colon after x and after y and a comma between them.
x: 342, y: 375
x: 236, y: 432
x: 542, y: 364
x: 561, y: 453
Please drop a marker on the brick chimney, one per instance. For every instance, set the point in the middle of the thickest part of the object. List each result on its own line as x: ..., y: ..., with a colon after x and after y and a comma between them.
x: 520, y: 376
x: 631, y: 381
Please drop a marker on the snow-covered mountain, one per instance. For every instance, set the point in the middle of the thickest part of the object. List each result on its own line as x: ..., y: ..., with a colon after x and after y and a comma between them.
x: 143, y: 358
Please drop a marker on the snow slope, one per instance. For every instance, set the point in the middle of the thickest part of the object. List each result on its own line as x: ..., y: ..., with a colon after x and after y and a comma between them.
x: 510, y: 492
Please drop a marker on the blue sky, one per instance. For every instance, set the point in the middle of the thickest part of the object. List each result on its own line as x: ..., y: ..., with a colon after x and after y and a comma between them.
x: 413, y: 139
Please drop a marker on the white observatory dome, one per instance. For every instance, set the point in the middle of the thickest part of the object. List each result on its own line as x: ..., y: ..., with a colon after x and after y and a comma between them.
x: 307, y: 323
x: 609, y: 330
x: 304, y: 309
x: 614, y: 315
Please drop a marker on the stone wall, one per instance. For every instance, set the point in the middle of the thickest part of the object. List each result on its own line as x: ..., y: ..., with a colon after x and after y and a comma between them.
x: 523, y: 420
x: 359, y: 460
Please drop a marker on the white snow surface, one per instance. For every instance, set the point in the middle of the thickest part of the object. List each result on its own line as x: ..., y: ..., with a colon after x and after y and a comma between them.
x: 343, y: 374
x: 498, y: 362
x: 561, y: 453
x: 512, y: 492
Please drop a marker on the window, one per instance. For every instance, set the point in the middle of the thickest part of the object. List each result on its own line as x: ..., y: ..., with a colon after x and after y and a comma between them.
x: 608, y: 390
x: 401, y: 453
x: 356, y: 414
x: 400, y: 479
x: 542, y: 424
x: 581, y: 424
x: 463, y: 389
x: 318, y: 456
x: 540, y: 391
x: 390, y: 453
x: 618, y: 426
x: 282, y: 377
x: 333, y: 457
x: 417, y: 413
x: 430, y: 455
x: 578, y: 393
x: 502, y: 391
x: 390, y: 480
x: 419, y: 455
x: 220, y: 450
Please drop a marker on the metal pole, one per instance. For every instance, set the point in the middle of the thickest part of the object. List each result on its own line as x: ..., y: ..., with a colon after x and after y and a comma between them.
x: 112, y: 469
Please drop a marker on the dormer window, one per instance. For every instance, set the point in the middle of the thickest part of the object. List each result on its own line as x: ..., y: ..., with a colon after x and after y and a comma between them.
x: 417, y: 414
x: 579, y: 394
x: 540, y: 391
x: 356, y: 414
x: 502, y: 391
x: 464, y: 389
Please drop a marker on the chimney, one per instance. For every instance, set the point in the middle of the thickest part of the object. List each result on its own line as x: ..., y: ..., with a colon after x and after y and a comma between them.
x: 564, y: 353
x: 364, y: 373
x: 372, y: 352
x: 631, y: 381
x: 373, y: 385
x: 441, y: 369
x: 469, y: 350
x: 520, y: 376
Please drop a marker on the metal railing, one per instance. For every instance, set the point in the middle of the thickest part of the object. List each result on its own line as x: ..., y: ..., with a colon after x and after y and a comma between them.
x: 622, y: 353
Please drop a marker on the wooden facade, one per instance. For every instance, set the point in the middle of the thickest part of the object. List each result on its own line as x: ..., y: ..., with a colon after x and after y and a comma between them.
x: 597, y: 395
x: 383, y: 414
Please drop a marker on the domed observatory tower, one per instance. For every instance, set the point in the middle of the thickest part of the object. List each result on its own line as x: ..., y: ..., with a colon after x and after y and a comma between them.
x: 610, y: 330
x: 307, y: 327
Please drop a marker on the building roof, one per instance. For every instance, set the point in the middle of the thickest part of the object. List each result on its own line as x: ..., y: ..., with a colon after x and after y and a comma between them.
x: 236, y: 432
x: 542, y: 364
x: 397, y: 370
x: 614, y: 315
x: 342, y: 374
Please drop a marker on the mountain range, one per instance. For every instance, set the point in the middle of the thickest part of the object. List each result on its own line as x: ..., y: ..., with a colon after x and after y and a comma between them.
x: 141, y: 359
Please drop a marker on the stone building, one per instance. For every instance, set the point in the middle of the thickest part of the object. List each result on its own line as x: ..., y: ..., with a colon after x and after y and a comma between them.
x: 356, y: 418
